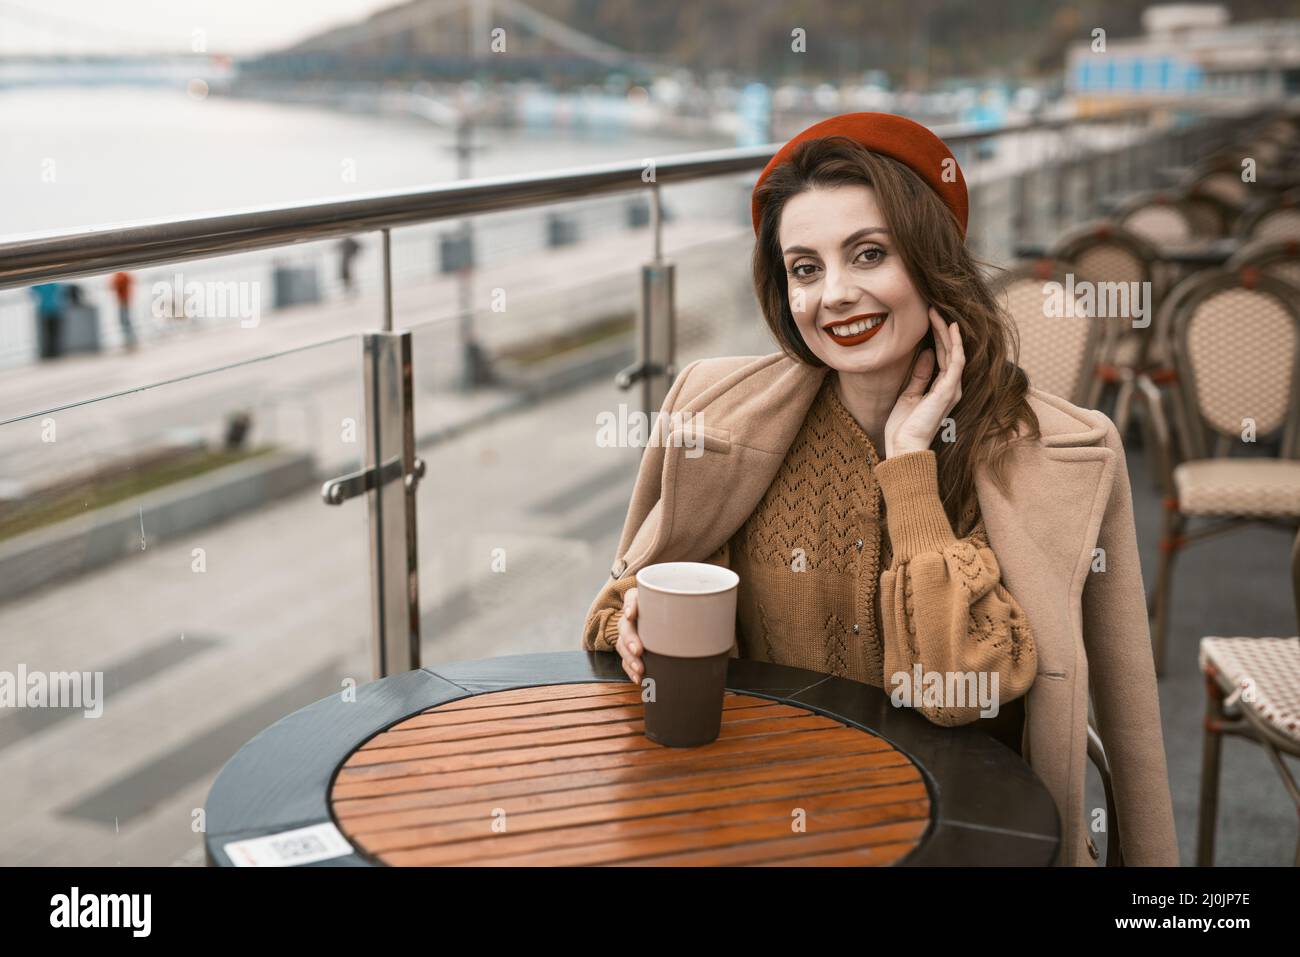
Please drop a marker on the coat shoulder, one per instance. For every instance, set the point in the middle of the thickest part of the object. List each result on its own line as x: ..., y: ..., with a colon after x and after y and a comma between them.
x: 1062, y: 422
x: 702, y: 374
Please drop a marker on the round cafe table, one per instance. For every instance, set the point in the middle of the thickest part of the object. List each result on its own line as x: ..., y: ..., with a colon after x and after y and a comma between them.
x: 542, y: 760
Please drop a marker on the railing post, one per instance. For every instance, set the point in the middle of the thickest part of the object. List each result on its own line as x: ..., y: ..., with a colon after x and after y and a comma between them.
x: 655, y: 366
x: 390, y: 451
x: 658, y: 328
x: 1060, y: 173
x: 388, y: 478
x: 1020, y: 213
x: 386, y: 249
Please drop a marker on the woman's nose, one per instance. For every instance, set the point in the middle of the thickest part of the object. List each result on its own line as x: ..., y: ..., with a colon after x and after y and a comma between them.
x: 839, y: 290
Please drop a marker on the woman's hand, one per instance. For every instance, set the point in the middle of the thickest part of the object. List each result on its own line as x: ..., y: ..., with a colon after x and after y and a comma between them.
x: 629, y: 642
x: 917, y: 414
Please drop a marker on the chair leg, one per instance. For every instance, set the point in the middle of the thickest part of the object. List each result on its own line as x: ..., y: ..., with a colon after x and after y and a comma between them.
x: 1150, y: 445
x: 1124, y: 406
x: 1096, y: 392
x: 1170, y: 543
x: 1210, y: 750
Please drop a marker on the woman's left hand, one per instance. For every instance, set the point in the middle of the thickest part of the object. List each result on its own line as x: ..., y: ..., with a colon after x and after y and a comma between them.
x: 917, y: 414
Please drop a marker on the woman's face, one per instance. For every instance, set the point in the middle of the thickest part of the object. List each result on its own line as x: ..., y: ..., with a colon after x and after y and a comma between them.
x: 843, y: 271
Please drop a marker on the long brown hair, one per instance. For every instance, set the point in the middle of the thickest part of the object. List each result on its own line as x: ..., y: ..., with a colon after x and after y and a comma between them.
x: 994, y: 396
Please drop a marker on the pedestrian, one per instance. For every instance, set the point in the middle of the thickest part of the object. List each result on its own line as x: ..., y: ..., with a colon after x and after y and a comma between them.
x: 49, y: 319
x: 348, y: 250
x: 121, y: 283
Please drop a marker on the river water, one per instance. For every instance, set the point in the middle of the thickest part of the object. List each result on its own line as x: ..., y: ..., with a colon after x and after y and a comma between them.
x: 74, y: 157
x: 77, y: 157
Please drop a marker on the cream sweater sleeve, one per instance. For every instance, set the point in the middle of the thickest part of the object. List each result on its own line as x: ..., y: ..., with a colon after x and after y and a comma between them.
x: 942, y: 601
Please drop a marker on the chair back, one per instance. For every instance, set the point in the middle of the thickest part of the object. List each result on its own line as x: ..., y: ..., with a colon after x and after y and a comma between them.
x: 1160, y: 217
x: 1236, y: 347
x: 1227, y: 187
x: 1058, y: 352
x: 1276, y: 257
x: 1211, y: 216
x: 1103, y: 252
x: 1106, y: 252
x: 1272, y: 218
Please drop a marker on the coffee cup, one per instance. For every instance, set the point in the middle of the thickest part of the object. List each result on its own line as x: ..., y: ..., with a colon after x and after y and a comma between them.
x: 686, y: 619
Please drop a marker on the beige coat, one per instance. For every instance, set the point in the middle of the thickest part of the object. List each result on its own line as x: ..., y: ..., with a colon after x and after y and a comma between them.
x: 1070, y: 496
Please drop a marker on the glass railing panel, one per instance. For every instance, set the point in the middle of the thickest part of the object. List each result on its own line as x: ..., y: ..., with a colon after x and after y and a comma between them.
x: 514, y: 365
x: 168, y: 567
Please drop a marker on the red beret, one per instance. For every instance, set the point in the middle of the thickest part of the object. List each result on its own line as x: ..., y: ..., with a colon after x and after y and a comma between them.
x: 894, y: 136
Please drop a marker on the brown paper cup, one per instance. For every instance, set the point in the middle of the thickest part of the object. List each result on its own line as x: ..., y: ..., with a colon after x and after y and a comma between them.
x: 686, y: 618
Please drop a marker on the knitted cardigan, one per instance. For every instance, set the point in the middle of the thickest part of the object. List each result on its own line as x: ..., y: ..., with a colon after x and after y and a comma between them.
x: 813, y: 595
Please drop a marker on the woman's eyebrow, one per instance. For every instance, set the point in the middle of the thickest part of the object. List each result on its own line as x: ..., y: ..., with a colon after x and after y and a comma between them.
x: 849, y: 241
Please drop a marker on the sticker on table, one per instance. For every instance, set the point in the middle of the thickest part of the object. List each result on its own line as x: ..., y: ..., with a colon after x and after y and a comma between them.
x: 304, y: 845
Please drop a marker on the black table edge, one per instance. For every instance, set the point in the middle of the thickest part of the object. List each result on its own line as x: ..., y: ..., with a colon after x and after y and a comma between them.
x: 987, y: 807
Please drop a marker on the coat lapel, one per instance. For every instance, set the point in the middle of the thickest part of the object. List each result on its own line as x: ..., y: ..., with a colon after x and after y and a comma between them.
x: 748, y: 420
x: 1044, y: 528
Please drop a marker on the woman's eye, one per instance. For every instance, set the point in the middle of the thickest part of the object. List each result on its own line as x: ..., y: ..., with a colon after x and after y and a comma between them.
x: 871, y: 255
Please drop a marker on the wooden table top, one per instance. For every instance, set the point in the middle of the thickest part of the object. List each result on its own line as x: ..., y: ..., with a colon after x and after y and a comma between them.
x: 542, y: 759
x: 564, y: 775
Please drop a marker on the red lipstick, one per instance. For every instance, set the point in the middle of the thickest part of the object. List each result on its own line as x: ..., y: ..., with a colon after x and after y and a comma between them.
x: 860, y: 337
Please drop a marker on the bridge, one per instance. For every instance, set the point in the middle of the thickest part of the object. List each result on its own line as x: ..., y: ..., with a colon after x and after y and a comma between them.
x: 444, y: 39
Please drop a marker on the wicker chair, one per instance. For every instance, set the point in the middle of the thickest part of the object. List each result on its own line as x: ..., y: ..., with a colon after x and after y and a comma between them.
x: 1097, y: 755
x: 1057, y: 353
x: 1160, y: 217
x: 1225, y: 185
x: 1272, y: 218
x: 1236, y: 355
x: 1276, y: 257
x: 1212, y: 216
x: 1252, y: 690
x: 1104, y: 252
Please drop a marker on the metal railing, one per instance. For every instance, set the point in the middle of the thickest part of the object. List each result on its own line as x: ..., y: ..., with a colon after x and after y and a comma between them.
x: 391, y: 472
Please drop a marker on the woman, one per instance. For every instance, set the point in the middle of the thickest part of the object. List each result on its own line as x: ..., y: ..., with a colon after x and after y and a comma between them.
x: 894, y: 494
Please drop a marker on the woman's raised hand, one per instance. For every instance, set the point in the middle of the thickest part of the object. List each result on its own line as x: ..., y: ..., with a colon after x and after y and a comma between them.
x: 629, y: 642
x: 917, y: 414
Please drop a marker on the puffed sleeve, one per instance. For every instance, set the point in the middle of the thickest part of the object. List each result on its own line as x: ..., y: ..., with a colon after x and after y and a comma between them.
x: 943, y: 605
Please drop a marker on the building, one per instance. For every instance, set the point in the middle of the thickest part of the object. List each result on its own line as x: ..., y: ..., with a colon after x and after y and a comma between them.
x: 1186, y: 50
